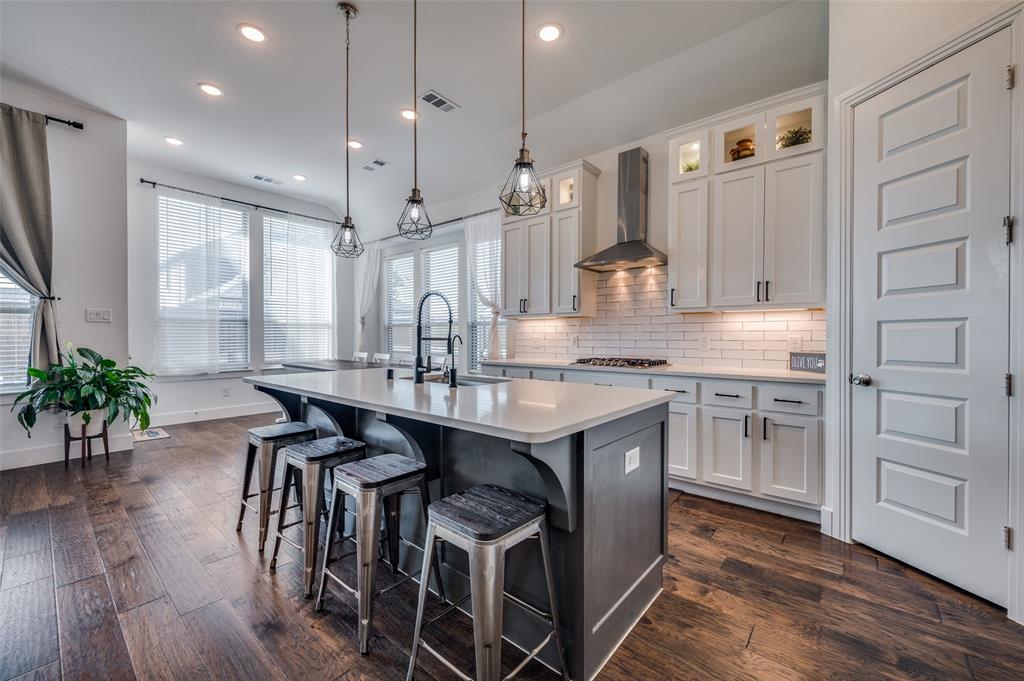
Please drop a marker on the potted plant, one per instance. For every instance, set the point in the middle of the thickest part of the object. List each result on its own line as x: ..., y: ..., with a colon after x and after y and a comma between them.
x: 90, y: 388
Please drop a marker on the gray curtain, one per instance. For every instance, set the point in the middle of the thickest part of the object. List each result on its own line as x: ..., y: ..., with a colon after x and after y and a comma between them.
x: 26, y: 221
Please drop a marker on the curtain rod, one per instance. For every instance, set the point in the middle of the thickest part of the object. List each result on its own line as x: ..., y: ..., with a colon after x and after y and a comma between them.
x: 71, y: 124
x: 445, y: 222
x: 257, y: 206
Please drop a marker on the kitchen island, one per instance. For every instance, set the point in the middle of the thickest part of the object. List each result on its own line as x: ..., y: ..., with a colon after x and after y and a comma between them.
x: 596, y: 454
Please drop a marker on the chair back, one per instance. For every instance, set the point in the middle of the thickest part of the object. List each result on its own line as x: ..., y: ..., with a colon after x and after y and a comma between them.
x: 358, y: 356
x: 382, y: 358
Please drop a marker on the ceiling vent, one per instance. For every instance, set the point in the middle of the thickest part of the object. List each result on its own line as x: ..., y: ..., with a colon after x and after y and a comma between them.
x: 375, y: 164
x: 439, y: 101
x: 265, y: 179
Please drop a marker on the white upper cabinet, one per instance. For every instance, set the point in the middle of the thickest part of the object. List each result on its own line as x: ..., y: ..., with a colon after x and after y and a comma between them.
x: 740, y: 143
x: 737, y: 263
x: 514, y: 267
x: 565, y: 189
x: 794, y: 245
x: 526, y: 266
x: 795, y: 128
x: 565, y: 251
x: 689, y: 156
x: 688, y: 245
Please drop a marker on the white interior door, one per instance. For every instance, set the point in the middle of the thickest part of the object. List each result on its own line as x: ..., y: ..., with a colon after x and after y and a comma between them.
x: 930, y: 319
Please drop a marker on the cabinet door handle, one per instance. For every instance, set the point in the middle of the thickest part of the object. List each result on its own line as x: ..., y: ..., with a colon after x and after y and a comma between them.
x: 764, y: 429
x: 672, y: 298
x: 766, y: 299
x: 526, y: 304
x: 574, y: 302
x: 779, y: 399
x: 605, y: 384
x: 746, y: 425
x: 726, y: 395
x: 675, y: 390
x: 520, y: 306
x: 759, y: 292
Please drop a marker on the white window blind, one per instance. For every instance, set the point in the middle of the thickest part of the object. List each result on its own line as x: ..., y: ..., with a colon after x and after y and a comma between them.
x: 203, y: 305
x: 298, y: 289
x: 442, y: 272
x: 16, y: 309
x: 399, y: 288
x: 487, y: 261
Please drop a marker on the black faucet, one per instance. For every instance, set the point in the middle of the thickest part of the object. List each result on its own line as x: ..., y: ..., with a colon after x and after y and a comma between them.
x: 422, y: 369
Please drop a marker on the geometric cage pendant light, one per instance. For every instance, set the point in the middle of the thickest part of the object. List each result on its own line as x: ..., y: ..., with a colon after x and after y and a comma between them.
x: 346, y: 242
x: 414, y: 222
x: 523, y: 194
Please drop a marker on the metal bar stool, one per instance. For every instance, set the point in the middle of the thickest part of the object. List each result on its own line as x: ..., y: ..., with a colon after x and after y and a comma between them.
x: 486, y: 521
x: 375, y: 484
x: 306, y: 467
x: 264, y: 442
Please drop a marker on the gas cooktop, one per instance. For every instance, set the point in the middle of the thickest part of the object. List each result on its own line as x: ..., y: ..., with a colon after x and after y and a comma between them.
x: 630, y: 362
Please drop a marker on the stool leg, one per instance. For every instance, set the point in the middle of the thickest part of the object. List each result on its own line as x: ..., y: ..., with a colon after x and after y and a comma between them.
x: 392, y: 516
x: 487, y: 583
x: 312, y: 501
x: 549, y: 577
x: 250, y: 462
x: 289, y: 474
x: 337, y: 509
x: 425, y: 502
x: 367, y: 554
x: 267, y: 459
x: 428, y: 554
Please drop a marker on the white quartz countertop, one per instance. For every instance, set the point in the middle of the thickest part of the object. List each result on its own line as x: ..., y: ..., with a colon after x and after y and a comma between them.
x: 669, y: 370
x: 523, y: 410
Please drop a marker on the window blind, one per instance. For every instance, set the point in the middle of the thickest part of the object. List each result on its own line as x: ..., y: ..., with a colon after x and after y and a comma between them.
x: 203, y: 298
x: 399, y: 288
x: 16, y: 309
x: 487, y: 261
x: 442, y: 272
x: 298, y: 289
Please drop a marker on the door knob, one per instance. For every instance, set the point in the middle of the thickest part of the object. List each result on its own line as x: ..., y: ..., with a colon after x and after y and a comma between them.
x: 860, y: 379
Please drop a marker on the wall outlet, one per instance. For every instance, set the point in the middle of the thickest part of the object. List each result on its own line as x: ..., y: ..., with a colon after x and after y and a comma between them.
x: 95, y: 315
x: 225, y: 392
x: 796, y: 343
x: 574, y: 341
x: 705, y: 343
x: 632, y: 460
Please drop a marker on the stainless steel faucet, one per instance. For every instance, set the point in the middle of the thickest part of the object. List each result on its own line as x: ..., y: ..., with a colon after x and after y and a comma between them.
x: 422, y: 369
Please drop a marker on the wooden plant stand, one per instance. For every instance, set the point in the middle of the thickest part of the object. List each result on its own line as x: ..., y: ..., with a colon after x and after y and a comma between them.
x: 86, y: 441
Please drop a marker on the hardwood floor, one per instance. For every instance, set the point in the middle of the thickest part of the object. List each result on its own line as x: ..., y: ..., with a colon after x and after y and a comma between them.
x: 133, y: 569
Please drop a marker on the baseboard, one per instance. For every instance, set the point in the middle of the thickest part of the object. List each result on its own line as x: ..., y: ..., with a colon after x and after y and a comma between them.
x: 811, y: 515
x: 193, y: 415
x: 33, y: 456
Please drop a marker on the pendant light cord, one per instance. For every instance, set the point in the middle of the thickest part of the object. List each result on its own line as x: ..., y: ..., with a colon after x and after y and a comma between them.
x: 348, y: 194
x: 415, y: 108
x: 523, y: 74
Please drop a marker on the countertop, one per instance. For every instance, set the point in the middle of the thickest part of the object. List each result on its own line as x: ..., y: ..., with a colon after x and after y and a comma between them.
x: 331, y: 365
x: 669, y: 370
x: 522, y: 410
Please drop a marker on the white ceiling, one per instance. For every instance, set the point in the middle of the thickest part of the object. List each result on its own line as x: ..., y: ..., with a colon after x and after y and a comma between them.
x: 283, y: 108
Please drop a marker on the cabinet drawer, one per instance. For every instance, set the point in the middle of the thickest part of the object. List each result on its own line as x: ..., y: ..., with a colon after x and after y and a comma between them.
x: 609, y: 378
x: 684, y: 388
x: 547, y: 375
x: 789, y: 399
x: 728, y: 394
x: 516, y: 372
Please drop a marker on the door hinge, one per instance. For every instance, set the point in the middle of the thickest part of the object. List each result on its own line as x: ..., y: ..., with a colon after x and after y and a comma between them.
x: 1008, y: 228
x: 1010, y: 76
x: 1008, y: 380
x: 1008, y: 537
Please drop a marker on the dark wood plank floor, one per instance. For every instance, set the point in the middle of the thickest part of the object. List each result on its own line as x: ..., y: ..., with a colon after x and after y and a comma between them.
x: 133, y: 569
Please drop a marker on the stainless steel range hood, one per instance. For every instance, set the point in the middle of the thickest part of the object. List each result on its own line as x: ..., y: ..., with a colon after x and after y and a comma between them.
x: 631, y: 248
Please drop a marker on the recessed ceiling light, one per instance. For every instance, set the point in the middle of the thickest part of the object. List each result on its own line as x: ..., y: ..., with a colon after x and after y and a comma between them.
x: 210, y: 89
x: 549, y: 32
x: 408, y: 114
x: 355, y: 144
x: 299, y: 178
x: 253, y: 33
x: 173, y: 141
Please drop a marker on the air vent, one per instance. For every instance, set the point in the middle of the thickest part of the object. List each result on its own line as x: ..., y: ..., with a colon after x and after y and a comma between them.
x: 439, y: 101
x: 266, y: 179
x: 375, y: 164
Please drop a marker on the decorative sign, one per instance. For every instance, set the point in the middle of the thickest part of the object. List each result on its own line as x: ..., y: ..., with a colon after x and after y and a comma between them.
x: 807, y: 361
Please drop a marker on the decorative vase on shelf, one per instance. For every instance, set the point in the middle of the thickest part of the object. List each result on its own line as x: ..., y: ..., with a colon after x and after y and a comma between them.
x: 743, y: 149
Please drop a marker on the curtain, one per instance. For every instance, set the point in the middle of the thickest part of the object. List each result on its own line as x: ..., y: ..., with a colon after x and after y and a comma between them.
x: 26, y: 222
x: 483, y: 246
x: 367, y: 274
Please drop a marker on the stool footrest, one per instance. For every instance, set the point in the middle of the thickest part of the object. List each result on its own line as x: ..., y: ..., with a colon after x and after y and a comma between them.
x: 338, y: 580
x: 533, y: 654
x: 539, y: 614
x: 449, y: 609
x: 289, y: 542
x: 446, y: 662
x: 341, y: 557
x: 405, y: 578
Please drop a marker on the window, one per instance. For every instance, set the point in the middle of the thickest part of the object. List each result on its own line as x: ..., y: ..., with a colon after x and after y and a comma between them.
x: 399, y: 288
x: 442, y: 272
x: 298, y: 289
x: 203, y: 299
x: 16, y: 309
x: 487, y: 261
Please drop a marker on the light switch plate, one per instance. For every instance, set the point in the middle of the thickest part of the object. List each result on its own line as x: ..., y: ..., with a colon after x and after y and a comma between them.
x: 705, y: 343
x: 632, y: 460
x: 95, y: 315
x: 796, y: 343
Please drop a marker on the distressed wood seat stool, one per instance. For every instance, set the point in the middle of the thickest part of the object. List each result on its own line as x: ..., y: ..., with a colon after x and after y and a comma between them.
x: 377, y: 484
x: 486, y: 521
x: 261, y: 458
x: 306, y: 467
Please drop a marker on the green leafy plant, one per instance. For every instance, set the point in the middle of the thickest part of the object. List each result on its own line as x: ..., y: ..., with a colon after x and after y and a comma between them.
x: 794, y: 137
x: 690, y: 166
x: 84, y: 383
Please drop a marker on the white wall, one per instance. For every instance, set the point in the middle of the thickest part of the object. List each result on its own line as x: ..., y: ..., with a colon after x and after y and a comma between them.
x: 87, y: 186
x: 197, y: 399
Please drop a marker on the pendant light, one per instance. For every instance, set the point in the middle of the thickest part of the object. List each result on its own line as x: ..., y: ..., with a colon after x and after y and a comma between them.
x: 523, y: 193
x: 415, y: 223
x: 346, y: 242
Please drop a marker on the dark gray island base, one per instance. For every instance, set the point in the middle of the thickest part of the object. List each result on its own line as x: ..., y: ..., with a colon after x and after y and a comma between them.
x: 608, y: 528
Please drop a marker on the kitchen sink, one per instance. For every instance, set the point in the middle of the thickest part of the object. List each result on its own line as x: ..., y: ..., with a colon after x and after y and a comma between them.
x: 462, y: 381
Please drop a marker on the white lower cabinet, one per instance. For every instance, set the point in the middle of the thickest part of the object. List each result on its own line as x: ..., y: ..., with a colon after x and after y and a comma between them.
x: 727, y: 447
x: 682, y: 441
x: 790, y: 457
